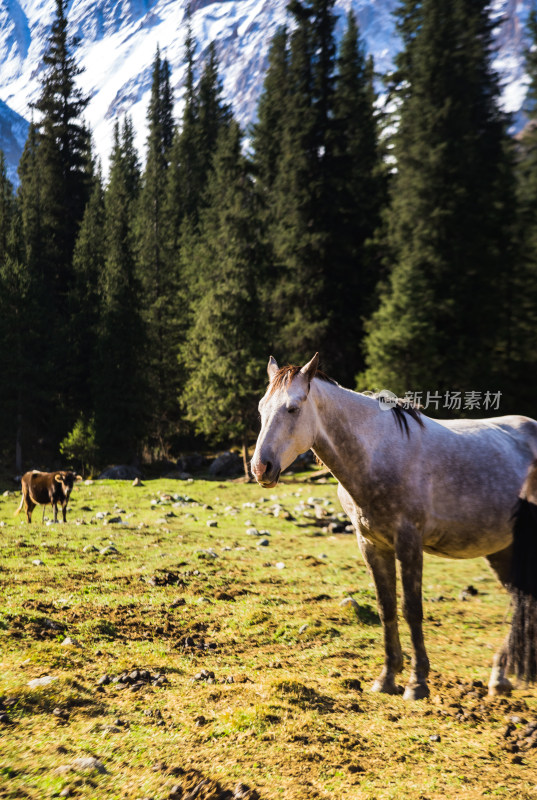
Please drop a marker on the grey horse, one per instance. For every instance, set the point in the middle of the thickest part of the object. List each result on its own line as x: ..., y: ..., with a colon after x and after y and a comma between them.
x: 411, y: 484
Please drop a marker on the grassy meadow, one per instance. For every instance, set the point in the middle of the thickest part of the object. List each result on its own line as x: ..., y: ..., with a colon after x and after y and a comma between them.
x: 199, y: 647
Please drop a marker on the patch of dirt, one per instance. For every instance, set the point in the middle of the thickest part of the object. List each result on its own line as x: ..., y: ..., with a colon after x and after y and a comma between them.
x: 301, y: 695
x: 193, y: 785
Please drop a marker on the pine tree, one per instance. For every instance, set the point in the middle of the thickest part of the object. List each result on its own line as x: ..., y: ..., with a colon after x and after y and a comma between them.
x: 524, y: 294
x: 20, y: 395
x: 297, y: 233
x: 450, y: 215
x: 222, y: 356
x: 56, y: 174
x: 319, y: 176
x: 268, y: 129
x: 118, y: 376
x: 85, y: 303
x: 63, y: 154
x: 356, y: 187
x: 213, y: 113
x: 194, y: 143
x: 185, y: 179
x: 157, y: 280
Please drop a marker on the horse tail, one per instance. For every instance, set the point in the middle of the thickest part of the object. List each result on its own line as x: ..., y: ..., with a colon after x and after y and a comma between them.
x: 522, y: 641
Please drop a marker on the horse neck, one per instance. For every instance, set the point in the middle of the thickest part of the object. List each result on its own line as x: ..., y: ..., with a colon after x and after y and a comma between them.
x: 348, y: 427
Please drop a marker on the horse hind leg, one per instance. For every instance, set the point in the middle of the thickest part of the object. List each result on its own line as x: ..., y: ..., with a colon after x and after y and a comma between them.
x: 499, y: 684
x: 381, y: 565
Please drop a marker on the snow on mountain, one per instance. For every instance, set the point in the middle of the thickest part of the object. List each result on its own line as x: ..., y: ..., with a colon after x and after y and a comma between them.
x: 13, y: 132
x: 118, y: 40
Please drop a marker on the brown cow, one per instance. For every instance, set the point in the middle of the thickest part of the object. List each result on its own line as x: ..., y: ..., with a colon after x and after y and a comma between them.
x: 42, y: 488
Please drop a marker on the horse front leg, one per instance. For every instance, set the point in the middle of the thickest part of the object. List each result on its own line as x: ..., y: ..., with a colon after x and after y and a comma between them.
x: 381, y: 565
x: 409, y: 552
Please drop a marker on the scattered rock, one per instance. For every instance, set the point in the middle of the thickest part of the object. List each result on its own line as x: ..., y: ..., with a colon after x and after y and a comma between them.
x: 435, y: 738
x: 113, y: 521
x: 109, y: 550
x: 279, y: 565
x: 468, y: 591
x: 70, y: 642
x: 263, y: 543
x: 212, y: 523
x: 350, y: 601
x: 88, y: 764
x: 336, y: 527
x: 205, y: 675
x: 136, y: 679
x: 120, y: 472
x: 38, y: 563
x: 46, y: 680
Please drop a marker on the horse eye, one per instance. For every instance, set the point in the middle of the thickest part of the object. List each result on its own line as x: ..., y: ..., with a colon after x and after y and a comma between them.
x: 292, y: 410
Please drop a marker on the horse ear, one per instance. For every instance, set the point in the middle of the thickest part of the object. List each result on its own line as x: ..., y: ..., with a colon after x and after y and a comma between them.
x: 272, y: 367
x: 310, y: 368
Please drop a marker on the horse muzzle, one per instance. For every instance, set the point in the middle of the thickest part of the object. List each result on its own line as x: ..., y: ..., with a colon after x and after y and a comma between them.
x: 267, y: 475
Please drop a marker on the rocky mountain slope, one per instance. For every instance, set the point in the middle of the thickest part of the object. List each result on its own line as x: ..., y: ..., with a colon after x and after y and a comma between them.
x: 118, y: 39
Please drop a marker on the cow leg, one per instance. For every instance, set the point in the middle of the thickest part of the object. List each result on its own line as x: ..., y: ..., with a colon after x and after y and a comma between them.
x: 55, y: 507
x: 409, y: 552
x: 29, y: 507
x: 64, y: 511
x: 381, y: 565
x: 499, y: 684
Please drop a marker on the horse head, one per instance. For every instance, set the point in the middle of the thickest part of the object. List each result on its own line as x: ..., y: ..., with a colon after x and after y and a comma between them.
x: 288, y: 420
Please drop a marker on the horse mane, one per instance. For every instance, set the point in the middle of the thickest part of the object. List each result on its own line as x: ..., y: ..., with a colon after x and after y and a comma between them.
x: 285, y: 375
x: 401, y: 410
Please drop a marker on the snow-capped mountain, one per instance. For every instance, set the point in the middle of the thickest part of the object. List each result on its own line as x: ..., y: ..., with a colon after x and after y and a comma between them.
x: 118, y: 40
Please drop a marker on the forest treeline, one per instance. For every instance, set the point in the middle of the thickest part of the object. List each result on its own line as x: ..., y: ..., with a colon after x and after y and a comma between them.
x: 140, y: 308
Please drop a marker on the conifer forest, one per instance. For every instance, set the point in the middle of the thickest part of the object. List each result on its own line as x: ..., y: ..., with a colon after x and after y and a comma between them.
x: 387, y: 221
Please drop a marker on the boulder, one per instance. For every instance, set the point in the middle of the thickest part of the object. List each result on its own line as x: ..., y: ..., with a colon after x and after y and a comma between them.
x: 120, y: 472
x: 194, y: 462
x: 226, y: 465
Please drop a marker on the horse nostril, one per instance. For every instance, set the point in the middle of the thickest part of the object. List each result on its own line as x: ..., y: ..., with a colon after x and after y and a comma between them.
x: 268, y: 467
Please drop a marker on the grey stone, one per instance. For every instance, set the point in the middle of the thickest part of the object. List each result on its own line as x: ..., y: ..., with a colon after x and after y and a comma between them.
x: 120, y: 472
x: 88, y: 764
x: 191, y: 463
x: 227, y: 465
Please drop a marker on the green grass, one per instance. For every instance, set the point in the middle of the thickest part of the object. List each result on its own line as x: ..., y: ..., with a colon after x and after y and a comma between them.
x: 284, y: 713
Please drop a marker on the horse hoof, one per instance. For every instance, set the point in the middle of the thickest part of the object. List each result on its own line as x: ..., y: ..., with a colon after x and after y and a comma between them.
x: 386, y: 687
x: 416, y: 691
x: 501, y: 688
